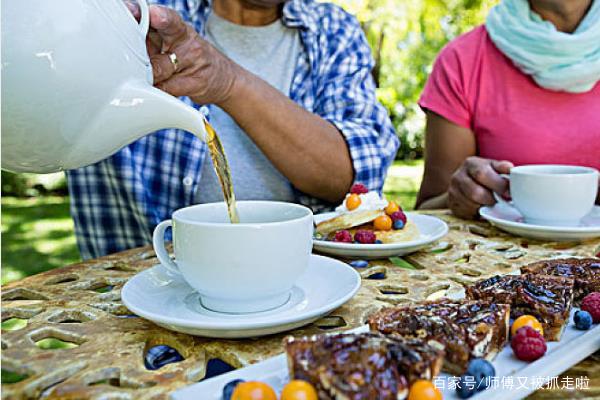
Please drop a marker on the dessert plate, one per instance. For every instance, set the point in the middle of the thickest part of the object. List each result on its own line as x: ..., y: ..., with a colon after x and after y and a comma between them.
x: 510, y: 220
x: 168, y: 301
x: 523, y: 377
x: 430, y: 228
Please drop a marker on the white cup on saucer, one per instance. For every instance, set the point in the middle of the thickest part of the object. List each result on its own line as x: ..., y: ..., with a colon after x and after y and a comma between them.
x: 552, y: 195
x: 239, y: 268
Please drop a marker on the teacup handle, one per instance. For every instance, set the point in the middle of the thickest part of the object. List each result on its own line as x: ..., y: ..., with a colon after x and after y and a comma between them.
x: 499, y: 198
x: 158, y: 241
x: 145, y: 17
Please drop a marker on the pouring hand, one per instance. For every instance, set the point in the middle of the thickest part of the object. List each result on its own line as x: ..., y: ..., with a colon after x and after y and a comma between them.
x: 203, y: 73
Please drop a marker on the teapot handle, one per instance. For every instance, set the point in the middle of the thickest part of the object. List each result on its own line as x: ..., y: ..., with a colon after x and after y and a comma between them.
x: 145, y: 17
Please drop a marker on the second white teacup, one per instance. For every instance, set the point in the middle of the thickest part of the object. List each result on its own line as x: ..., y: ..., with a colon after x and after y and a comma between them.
x: 553, y: 195
x: 239, y: 268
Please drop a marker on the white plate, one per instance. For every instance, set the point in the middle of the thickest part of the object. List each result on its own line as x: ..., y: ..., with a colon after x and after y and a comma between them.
x: 430, y: 228
x: 560, y: 356
x: 170, y: 302
x: 510, y: 220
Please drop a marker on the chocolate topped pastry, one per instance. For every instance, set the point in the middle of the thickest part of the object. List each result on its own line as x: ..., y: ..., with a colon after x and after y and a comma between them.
x: 548, y: 298
x: 585, y: 271
x: 361, y: 366
x: 467, y: 329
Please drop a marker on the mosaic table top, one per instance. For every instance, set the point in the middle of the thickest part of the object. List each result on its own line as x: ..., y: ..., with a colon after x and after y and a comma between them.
x: 103, y: 344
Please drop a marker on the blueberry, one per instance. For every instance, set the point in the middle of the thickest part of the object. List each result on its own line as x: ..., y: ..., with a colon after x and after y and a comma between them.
x: 229, y: 388
x: 378, y: 241
x: 583, y: 320
x: 161, y: 355
x: 398, y: 224
x: 466, y: 387
x: 359, y: 263
x: 483, y: 371
x: 377, y: 275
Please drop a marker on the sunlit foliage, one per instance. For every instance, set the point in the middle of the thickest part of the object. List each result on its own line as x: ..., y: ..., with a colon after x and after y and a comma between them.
x: 405, y: 36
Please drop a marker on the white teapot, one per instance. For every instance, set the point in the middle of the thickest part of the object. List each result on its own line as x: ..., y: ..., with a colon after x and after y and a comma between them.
x: 77, y: 84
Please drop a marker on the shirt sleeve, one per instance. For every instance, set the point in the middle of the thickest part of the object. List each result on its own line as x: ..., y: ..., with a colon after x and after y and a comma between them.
x: 346, y: 98
x: 444, y: 92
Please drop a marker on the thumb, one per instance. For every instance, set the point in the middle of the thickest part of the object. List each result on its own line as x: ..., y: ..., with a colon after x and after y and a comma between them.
x: 502, y: 167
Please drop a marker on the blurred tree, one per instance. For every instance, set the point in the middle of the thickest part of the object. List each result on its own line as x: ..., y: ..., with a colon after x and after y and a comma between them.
x: 405, y: 37
x: 31, y: 185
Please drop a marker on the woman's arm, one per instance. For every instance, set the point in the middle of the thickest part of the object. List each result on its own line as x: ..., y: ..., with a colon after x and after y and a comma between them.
x: 447, y: 145
x: 454, y: 177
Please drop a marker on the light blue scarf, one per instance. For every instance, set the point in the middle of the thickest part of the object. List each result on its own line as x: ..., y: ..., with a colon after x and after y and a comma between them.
x: 556, y: 60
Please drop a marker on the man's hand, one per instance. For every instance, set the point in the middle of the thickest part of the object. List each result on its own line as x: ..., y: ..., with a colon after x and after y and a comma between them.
x: 202, y: 72
x: 472, y: 185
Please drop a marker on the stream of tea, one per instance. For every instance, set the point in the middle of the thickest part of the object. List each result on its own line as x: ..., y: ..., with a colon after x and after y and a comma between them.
x: 221, y: 166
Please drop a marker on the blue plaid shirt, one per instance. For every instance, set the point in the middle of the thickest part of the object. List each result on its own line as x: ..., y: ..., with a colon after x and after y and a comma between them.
x: 117, y: 202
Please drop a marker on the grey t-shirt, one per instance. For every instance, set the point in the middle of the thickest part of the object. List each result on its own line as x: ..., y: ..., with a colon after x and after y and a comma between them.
x: 271, y: 52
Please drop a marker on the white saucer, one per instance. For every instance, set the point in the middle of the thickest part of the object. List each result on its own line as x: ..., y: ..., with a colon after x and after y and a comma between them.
x: 510, y: 220
x: 431, y: 229
x: 170, y: 302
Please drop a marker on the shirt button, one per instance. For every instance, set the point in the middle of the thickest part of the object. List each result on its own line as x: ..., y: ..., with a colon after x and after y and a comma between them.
x: 188, y: 181
x: 204, y: 111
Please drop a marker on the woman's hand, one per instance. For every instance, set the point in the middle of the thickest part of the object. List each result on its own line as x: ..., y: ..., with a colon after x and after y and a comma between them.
x: 202, y: 72
x: 454, y: 178
x: 472, y: 185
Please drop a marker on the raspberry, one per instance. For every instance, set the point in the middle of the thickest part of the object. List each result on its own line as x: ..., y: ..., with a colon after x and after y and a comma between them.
x: 365, y: 237
x: 399, y: 216
x: 359, y: 188
x: 591, y: 304
x: 528, y: 344
x: 343, y: 236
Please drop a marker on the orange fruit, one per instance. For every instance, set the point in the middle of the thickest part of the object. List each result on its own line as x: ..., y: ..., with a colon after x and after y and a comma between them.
x: 299, y: 390
x: 352, y: 202
x: 526, y: 320
x: 383, y: 223
x: 424, y: 390
x: 253, y: 391
x: 391, y: 208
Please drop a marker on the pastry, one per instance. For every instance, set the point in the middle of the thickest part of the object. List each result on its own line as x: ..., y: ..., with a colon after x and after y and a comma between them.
x: 467, y: 329
x: 362, y: 366
x: 585, y: 272
x: 365, y: 217
x: 548, y: 298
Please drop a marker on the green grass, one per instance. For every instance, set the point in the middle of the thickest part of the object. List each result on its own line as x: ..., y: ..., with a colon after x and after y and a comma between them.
x: 37, y: 233
x: 9, y: 377
x: 55, y: 344
x: 403, y: 181
x: 13, y: 324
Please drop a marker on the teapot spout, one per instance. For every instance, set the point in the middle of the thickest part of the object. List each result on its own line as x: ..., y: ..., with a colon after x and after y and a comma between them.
x: 135, y: 110
x: 145, y: 109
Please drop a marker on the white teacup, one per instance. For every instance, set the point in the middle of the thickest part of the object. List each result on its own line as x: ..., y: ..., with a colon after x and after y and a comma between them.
x: 553, y: 195
x: 239, y: 268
